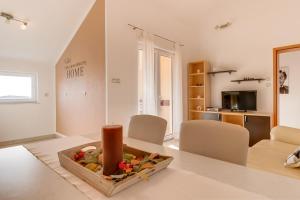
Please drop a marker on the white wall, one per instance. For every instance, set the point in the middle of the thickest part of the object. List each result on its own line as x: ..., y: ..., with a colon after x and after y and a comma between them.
x: 258, y: 26
x: 18, y: 121
x: 122, y: 50
x: 289, y: 104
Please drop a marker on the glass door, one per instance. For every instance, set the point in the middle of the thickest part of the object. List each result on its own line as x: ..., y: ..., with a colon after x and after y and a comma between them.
x: 163, y: 70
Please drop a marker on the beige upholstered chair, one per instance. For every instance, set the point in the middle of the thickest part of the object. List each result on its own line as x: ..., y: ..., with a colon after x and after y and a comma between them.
x: 286, y: 134
x: 148, y: 128
x: 215, y: 139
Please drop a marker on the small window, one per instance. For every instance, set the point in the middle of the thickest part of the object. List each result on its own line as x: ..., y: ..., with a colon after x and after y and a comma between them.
x: 18, y: 87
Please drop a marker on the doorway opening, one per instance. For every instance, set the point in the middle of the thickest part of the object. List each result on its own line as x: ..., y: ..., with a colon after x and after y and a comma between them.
x: 163, y: 68
x: 283, y: 109
x: 163, y: 86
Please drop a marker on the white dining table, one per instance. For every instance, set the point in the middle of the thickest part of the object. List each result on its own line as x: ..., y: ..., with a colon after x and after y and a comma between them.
x: 32, y: 172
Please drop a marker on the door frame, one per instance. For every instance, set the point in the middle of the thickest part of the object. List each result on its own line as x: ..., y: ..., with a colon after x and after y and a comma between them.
x: 276, y: 52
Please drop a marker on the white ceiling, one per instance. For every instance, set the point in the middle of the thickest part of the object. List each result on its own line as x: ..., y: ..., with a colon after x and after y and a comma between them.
x: 189, y: 12
x: 52, y: 24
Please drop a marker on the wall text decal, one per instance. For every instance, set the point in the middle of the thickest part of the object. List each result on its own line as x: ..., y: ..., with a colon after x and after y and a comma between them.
x: 75, y: 70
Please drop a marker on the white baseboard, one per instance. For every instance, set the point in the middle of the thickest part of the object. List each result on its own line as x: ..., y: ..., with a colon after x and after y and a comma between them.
x: 27, y: 140
x: 60, y: 135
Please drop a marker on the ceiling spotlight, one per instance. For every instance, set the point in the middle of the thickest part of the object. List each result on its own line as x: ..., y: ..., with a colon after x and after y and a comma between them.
x: 23, y: 26
x: 223, y: 26
x: 9, y: 17
x: 7, y: 21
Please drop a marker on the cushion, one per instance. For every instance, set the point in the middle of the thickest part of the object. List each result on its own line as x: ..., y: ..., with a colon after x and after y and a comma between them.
x: 294, y: 159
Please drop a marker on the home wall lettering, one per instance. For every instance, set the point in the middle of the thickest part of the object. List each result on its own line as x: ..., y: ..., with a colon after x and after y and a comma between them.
x: 75, y: 70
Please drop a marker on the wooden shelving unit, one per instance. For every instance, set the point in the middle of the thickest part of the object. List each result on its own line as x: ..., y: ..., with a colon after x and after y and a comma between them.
x: 196, y: 86
x: 196, y: 98
x: 196, y: 74
x: 198, y: 89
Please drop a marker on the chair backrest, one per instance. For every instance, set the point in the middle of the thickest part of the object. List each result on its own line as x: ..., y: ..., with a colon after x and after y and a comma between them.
x: 148, y: 128
x: 219, y: 140
x: 286, y: 134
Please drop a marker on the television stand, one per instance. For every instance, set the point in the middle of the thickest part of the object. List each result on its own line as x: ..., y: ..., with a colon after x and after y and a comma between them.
x: 258, y: 124
x: 238, y: 111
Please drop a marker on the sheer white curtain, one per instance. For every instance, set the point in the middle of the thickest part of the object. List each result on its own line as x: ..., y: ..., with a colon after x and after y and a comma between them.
x: 150, y: 102
x: 149, y: 85
x: 177, y: 91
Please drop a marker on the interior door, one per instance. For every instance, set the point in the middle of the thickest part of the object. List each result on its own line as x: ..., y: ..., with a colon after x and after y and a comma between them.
x: 288, y: 88
x: 163, y: 66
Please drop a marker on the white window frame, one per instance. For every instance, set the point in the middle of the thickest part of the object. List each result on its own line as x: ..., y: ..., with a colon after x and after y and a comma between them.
x: 34, y: 87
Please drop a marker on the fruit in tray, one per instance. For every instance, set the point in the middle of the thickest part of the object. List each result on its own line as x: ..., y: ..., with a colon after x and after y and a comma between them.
x: 91, y: 158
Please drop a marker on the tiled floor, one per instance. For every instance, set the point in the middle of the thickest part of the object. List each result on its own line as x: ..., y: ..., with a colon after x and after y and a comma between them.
x: 173, y: 144
x: 27, y: 140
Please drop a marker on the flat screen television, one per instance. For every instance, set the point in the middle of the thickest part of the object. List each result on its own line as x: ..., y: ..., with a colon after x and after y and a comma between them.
x: 239, y: 100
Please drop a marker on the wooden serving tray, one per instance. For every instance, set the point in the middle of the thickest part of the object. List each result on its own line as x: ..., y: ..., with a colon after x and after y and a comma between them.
x: 109, y: 188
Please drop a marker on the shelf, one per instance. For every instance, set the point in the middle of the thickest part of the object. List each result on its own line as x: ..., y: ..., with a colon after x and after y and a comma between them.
x: 197, y: 62
x: 196, y: 111
x: 196, y: 86
x: 221, y: 72
x: 198, y: 89
x: 246, y: 80
x: 196, y: 74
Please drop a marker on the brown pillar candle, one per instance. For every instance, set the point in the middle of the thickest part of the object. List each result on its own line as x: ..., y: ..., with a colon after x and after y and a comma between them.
x: 112, y: 144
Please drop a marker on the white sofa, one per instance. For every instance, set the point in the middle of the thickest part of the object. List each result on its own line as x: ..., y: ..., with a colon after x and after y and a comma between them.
x: 270, y: 155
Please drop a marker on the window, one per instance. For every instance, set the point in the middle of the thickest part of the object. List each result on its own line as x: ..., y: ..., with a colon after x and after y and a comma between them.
x: 18, y: 87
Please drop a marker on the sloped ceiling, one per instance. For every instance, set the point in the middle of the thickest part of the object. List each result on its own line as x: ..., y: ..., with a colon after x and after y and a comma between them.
x: 52, y: 24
